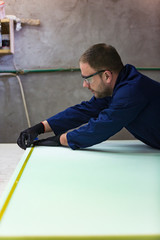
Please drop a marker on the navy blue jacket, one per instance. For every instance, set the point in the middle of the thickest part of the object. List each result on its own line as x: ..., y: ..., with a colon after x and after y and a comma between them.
x: 135, y: 105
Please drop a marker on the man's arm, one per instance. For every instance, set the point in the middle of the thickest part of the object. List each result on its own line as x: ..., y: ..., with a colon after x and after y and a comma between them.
x: 47, y: 127
x: 77, y: 115
x: 60, y: 123
x: 63, y: 140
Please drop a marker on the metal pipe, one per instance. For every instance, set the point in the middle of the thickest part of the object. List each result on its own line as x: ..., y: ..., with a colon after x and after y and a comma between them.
x: 22, y: 94
x: 149, y: 68
x: 25, y: 71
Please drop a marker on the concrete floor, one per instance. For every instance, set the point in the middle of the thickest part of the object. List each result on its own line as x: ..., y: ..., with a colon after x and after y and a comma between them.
x: 10, y: 155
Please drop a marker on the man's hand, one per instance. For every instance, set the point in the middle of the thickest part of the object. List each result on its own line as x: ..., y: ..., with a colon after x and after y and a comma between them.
x: 59, y: 140
x: 50, y: 141
x: 27, y: 137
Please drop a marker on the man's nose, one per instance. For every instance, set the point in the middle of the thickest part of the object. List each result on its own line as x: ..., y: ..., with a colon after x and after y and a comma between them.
x: 85, y: 84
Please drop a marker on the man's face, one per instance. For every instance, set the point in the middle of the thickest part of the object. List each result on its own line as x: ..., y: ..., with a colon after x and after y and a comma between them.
x: 97, y: 84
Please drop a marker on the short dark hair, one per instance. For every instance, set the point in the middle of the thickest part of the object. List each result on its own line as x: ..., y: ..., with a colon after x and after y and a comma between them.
x: 102, y: 56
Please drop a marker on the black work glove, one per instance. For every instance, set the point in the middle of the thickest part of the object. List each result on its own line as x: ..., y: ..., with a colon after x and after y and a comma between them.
x: 27, y: 137
x: 50, y: 141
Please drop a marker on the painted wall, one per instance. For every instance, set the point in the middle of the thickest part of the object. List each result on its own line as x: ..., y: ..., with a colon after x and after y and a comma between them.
x: 67, y: 29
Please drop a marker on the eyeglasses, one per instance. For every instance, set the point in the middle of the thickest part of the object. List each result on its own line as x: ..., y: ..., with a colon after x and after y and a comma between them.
x: 88, y: 79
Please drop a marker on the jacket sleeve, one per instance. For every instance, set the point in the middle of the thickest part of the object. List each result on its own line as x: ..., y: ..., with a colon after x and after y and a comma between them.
x: 77, y: 115
x: 122, y: 110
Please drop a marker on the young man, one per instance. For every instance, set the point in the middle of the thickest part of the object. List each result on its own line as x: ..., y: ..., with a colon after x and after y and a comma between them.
x: 123, y: 97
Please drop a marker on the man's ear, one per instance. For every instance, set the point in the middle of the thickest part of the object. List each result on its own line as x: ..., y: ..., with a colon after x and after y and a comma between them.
x: 108, y: 76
